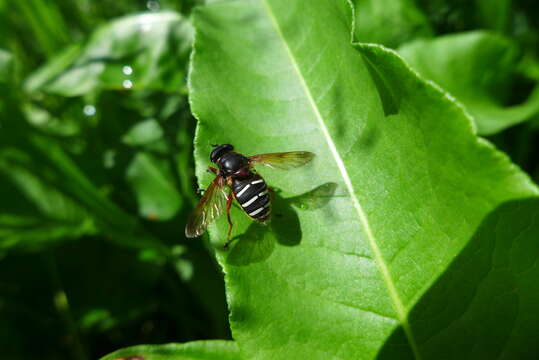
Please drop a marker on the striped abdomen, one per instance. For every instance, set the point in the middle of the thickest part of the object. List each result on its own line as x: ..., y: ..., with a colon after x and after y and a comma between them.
x: 252, y: 195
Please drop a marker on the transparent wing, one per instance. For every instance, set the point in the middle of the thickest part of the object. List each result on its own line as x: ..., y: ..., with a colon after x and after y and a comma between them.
x: 209, y: 208
x: 283, y: 160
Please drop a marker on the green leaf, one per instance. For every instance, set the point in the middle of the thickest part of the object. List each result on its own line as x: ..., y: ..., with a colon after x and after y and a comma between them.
x: 486, y: 300
x: 201, y: 350
x: 31, y: 232
x: 45, y: 22
x: 144, y: 51
x: 52, y: 216
x: 477, y: 68
x: 67, y: 124
x: 143, y: 133
x: 153, y: 184
x: 279, y: 75
x: 390, y: 23
x: 52, y: 69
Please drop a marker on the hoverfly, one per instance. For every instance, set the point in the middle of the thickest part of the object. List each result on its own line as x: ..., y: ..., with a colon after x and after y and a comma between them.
x: 244, y: 184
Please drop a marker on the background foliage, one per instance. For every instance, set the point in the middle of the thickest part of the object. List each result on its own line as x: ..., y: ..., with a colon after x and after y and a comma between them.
x: 97, y: 174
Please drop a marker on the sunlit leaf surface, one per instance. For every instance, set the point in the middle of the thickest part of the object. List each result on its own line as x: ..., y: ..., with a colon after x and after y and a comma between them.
x: 344, y: 280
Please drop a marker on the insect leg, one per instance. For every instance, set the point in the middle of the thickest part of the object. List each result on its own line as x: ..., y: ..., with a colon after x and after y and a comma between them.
x: 212, y: 169
x: 228, y: 206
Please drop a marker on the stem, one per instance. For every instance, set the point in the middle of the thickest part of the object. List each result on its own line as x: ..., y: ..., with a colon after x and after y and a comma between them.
x: 61, y: 304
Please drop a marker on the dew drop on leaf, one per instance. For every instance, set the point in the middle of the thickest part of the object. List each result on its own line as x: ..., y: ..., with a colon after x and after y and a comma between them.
x: 153, y: 5
x: 89, y: 110
x: 127, y: 70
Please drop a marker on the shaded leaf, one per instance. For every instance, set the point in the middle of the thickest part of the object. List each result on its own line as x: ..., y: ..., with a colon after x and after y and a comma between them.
x: 390, y: 23
x: 485, y: 303
x: 478, y: 68
x: 203, y: 350
x: 419, y: 181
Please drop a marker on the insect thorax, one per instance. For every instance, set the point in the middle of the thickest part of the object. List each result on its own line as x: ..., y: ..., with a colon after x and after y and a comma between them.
x: 232, y: 162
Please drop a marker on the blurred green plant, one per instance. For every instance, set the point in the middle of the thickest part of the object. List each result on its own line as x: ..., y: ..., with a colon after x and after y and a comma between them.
x: 480, y: 69
x: 203, y: 350
x: 97, y: 178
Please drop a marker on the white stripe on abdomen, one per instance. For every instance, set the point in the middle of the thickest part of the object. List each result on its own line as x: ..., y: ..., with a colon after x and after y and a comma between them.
x: 243, y: 190
x: 256, y: 211
x: 253, y: 199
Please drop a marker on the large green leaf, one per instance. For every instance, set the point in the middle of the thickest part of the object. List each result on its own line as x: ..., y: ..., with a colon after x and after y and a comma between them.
x: 144, y: 51
x: 478, y: 68
x: 196, y: 350
x: 340, y: 280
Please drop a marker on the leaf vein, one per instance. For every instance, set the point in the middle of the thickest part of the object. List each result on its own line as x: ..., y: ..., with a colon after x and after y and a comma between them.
x: 397, y: 302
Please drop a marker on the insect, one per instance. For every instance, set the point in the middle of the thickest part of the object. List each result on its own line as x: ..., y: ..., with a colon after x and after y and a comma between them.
x: 236, y: 171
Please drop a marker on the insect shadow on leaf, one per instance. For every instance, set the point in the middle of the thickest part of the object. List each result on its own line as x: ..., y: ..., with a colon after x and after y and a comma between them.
x: 258, y: 242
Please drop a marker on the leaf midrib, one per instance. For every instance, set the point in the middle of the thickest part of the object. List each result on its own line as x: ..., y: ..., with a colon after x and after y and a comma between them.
x: 397, y: 302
